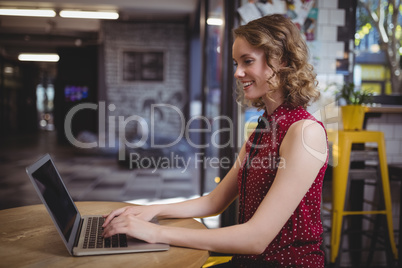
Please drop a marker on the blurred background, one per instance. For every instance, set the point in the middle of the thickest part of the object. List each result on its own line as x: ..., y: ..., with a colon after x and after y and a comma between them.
x: 140, y: 106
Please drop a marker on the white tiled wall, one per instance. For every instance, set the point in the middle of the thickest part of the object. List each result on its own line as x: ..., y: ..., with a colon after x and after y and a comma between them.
x: 330, y: 4
x: 328, y: 47
x: 391, y: 125
x: 337, y: 17
x: 324, y: 51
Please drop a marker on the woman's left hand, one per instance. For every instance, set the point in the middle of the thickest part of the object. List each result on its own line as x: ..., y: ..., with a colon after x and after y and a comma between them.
x: 132, y: 226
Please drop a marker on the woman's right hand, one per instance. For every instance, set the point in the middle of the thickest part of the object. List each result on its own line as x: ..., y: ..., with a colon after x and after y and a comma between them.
x: 145, y: 213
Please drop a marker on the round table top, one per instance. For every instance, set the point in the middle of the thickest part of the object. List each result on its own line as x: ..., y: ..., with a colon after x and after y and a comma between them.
x: 29, y: 239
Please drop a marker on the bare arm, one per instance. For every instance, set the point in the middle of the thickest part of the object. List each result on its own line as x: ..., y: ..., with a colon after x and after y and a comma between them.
x: 252, y: 237
x: 211, y: 204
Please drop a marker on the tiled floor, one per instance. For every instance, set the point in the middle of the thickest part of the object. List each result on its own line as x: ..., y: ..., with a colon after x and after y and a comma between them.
x: 88, y: 175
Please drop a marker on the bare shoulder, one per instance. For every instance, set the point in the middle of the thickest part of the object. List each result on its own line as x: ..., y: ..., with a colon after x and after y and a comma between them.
x: 309, y: 135
x: 308, y: 129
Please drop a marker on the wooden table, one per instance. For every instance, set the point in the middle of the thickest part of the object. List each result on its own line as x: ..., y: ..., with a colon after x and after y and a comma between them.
x: 385, y: 109
x: 29, y: 239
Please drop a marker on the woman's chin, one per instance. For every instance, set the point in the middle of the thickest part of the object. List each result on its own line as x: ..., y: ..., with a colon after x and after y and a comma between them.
x: 250, y: 98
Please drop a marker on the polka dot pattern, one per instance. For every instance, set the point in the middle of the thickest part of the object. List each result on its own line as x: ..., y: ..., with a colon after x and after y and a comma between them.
x: 298, y: 242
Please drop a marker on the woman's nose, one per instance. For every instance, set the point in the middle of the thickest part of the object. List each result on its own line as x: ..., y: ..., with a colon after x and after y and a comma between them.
x: 239, y: 72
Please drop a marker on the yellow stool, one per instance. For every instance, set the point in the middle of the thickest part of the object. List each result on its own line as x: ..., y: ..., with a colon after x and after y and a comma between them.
x: 341, y: 152
x: 215, y: 260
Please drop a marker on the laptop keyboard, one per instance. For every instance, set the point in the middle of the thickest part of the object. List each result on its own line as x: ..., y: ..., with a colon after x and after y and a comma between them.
x: 93, y: 236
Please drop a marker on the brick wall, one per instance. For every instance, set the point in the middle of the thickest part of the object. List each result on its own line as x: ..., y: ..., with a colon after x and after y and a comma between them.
x: 133, y: 98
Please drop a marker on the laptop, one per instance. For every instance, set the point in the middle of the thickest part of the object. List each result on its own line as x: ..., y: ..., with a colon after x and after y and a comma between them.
x: 71, y: 225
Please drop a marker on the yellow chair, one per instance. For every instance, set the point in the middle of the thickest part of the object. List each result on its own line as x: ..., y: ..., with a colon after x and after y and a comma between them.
x: 215, y: 260
x: 342, y: 146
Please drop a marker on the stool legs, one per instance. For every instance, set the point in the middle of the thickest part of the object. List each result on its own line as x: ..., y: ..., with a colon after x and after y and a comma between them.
x: 340, y: 178
x: 395, y: 172
x: 387, y: 192
x: 339, y: 184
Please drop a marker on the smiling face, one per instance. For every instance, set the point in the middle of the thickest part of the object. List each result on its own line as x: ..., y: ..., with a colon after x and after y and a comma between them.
x: 273, y: 64
x: 252, y: 70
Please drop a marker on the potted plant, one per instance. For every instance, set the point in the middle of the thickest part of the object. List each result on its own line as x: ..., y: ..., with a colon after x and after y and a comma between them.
x: 354, y: 110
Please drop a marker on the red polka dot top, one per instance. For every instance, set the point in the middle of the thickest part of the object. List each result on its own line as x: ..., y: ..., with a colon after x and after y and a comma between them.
x: 298, y: 243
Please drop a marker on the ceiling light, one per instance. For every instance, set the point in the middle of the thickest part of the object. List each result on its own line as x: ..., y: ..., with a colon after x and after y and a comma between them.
x: 28, y: 12
x: 214, y: 21
x: 44, y: 57
x: 108, y: 15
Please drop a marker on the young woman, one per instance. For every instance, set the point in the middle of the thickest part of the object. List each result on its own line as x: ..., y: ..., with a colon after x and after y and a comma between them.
x: 279, y: 172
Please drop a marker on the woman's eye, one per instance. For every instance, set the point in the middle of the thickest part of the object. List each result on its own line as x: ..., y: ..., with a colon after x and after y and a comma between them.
x: 248, y: 61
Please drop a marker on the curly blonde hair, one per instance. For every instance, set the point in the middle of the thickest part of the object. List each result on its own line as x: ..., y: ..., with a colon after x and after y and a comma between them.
x: 281, y: 40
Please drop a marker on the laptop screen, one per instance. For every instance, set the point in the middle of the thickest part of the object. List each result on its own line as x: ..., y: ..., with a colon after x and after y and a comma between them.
x: 56, y: 197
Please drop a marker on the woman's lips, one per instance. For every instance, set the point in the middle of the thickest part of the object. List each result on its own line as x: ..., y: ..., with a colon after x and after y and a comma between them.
x: 247, y: 84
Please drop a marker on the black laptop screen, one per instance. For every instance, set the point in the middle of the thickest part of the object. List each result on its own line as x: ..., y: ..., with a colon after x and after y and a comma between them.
x: 56, y: 197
